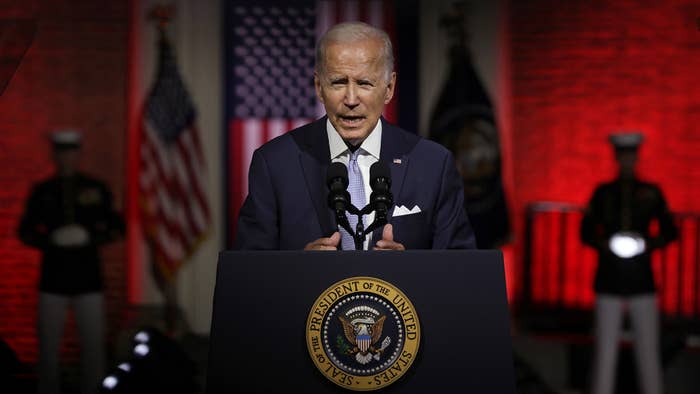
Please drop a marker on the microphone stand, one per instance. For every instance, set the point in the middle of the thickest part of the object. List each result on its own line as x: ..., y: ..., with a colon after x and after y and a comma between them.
x: 340, y: 203
x: 342, y: 221
x: 380, y: 202
x: 360, y: 232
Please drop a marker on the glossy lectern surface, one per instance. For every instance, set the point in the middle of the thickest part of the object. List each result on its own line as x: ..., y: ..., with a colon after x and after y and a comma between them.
x: 262, y: 301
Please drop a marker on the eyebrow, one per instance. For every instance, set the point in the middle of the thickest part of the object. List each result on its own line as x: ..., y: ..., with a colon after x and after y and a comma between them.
x: 344, y: 78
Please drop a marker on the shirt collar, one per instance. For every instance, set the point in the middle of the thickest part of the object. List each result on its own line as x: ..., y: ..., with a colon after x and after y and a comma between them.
x: 372, y: 144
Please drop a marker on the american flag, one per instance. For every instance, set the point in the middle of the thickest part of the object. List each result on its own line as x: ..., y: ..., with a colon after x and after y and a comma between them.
x: 175, y: 209
x: 269, y: 71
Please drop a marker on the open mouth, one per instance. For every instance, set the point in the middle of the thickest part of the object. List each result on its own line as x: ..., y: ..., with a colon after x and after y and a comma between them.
x: 351, y: 120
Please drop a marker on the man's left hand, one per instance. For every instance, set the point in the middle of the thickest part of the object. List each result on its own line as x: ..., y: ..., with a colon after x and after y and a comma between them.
x: 387, y: 242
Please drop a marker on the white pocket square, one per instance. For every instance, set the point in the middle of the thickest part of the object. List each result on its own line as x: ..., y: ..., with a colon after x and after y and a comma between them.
x: 401, y: 210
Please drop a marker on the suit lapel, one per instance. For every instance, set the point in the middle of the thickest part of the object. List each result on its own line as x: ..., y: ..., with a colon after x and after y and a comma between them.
x: 314, y: 157
x: 394, y: 152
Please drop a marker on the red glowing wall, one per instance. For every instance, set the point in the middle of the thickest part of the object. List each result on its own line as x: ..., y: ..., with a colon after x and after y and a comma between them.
x: 73, y: 75
x: 583, y: 69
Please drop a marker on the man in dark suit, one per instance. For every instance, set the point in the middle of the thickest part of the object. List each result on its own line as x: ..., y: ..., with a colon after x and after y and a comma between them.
x: 286, y: 206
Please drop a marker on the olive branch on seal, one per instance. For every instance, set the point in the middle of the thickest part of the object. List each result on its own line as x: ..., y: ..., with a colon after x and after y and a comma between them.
x: 342, y: 346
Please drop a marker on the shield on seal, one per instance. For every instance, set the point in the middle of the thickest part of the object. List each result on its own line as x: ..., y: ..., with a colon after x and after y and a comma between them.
x: 363, y: 342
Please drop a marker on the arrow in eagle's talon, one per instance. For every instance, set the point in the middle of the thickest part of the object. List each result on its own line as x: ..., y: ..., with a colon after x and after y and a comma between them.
x: 385, y: 344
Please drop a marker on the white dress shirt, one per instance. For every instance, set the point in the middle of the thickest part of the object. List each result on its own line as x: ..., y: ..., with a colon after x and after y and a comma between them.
x: 369, y: 154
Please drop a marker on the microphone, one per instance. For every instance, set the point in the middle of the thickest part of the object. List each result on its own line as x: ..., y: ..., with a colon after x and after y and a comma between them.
x: 337, y: 182
x: 338, y: 197
x: 380, y: 178
x: 381, y: 198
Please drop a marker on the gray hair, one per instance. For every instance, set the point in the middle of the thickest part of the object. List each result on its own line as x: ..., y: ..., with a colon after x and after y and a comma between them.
x: 347, y: 32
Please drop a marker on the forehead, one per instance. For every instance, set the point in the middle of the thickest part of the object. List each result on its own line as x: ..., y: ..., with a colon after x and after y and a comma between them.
x: 353, y: 57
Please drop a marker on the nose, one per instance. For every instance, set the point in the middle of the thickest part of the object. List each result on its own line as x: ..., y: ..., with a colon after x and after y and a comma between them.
x: 351, y: 99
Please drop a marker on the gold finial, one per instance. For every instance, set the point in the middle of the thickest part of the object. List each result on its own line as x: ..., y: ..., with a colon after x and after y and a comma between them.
x: 162, y: 14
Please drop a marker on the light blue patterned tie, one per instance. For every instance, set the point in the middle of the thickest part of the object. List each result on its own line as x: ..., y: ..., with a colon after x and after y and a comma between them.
x: 356, y: 188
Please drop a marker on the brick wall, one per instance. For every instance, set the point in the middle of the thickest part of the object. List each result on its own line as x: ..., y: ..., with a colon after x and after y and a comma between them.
x: 73, y: 75
x: 582, y: 69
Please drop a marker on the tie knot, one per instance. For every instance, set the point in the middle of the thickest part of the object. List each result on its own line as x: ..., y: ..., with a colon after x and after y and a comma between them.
x: 354, y: 155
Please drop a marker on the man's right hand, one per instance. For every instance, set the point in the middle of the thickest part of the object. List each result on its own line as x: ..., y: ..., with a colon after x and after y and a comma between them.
x: 328, y: 243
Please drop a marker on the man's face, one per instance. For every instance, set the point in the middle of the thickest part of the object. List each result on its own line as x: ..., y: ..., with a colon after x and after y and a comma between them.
x: 353, y: 87
x: 67, y: 160
x: 627, y: 161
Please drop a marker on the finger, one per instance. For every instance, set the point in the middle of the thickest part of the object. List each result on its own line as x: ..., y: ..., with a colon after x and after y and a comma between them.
x: 325, y: 247
x: 313, y: 245
x: 388, y: 248
x: 388, y: 233
x: 326, y: 243
x: 334, y: 239
x: 318, y: 246
x: 389, y: 245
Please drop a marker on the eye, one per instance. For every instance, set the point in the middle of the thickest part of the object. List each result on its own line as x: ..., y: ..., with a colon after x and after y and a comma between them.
x: 339, y: 81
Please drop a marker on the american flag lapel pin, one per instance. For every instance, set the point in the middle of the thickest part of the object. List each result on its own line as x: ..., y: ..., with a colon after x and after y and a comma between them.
x: 397, y: 161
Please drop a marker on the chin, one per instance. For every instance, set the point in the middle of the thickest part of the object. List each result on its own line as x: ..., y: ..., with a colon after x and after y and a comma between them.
x: 354, y: 135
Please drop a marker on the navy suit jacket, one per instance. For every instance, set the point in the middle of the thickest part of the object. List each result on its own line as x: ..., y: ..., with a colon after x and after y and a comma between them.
x: 286, y: 207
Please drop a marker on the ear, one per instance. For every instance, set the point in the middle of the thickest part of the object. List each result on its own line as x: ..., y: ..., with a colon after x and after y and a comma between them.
x: 317, y: 85
x: 390, y: 88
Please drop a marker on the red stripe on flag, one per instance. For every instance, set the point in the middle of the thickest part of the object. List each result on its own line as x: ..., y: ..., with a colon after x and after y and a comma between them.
x: 194, y: 168
x: 192, y: 187
x: 265, y: 132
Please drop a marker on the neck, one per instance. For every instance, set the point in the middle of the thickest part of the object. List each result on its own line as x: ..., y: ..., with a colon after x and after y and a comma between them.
x: 626, y: 177
x: 65, y: 172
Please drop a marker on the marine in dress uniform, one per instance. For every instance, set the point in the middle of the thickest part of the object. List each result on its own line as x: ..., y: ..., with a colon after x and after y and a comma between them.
x: 618, y: 224
x: 67, y: 217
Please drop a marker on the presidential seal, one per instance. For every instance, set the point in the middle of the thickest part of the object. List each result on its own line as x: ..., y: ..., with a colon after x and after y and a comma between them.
x: 363, y: 333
